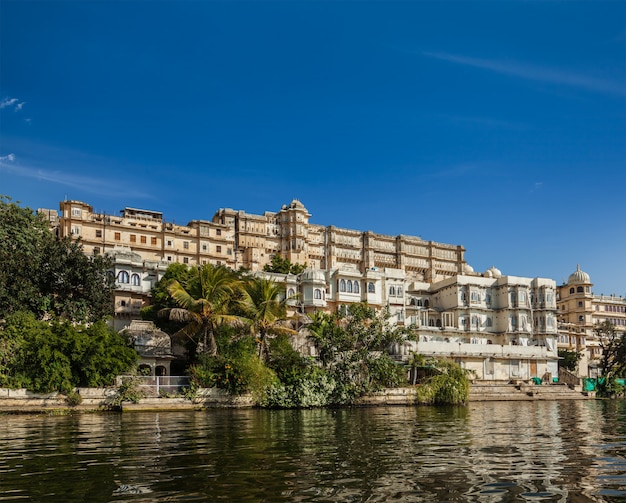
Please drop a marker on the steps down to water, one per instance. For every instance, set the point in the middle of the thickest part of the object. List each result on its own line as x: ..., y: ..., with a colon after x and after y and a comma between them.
x: 490, y: 391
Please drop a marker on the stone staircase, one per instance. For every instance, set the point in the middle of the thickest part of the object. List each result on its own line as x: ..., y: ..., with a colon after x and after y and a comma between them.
x: 482, y: 391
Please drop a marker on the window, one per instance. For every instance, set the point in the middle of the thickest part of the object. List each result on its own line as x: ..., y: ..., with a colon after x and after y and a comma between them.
x: 571, y: 290
x: 371, y: 288
x: 356, y: 287
x: 135, y: 279
x: 204, y: 247
x: 76, y: 212
x: 218, y: 249
x: 96, y: 250
x: 349, y: 286
x: 218, y: 232
x: 399, y: 291
x: 488, y: 322
x: 123, y: 277
x: 153, y: 241
x: 475, y: 296
x: 118, y: 236
x: 133, y: 238
x: 342, y: 285
x: 580, y: 289
x: 392, y: 291
x: 581, y: 318
x: 98, y: 233
x: 169, y: 258
x: 170, y: 242
x: 291, y: 292
x: 185, y: 260
x: 317, y: 293
x: 142, y: 239
x: 123, y: 303
x: 186, y: 245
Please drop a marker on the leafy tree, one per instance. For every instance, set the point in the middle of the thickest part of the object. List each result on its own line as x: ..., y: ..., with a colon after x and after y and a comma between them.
x: 613, y: 344
x: 283, y: 266
x: 448, y: 386
x: 352, y: 347
x: 569, y: 359
x: 204, y: 302
x: 264, y: 306
x: 59, y: 355
x: 46, y: 275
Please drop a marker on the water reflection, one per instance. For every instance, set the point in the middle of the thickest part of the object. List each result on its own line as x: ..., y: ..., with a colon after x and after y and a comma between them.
x: 488, y: 452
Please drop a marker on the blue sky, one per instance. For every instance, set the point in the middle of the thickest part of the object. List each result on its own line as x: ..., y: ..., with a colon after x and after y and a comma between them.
x: 497, y: 125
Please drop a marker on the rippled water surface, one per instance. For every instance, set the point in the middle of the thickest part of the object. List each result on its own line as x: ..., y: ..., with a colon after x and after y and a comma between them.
x: 572, y: 451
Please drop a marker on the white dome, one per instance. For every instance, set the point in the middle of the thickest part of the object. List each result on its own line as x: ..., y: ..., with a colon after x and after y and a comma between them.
x: 468, y: 268
x: 493, y: 272
x: 578, y: 277
x: 313, y: 275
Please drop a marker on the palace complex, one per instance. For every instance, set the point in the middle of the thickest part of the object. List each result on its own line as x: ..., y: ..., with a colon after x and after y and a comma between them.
x: 501, y: 327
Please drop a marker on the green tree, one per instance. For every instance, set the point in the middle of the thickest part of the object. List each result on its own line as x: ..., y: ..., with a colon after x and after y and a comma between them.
x: 204, y: 301
x: 613, y: 344
x: 59, y: 355
x: 352, y: 347
x: 283, y: 266
x: 48, y: 276
x: 264, y: 306
x: 569, y: 359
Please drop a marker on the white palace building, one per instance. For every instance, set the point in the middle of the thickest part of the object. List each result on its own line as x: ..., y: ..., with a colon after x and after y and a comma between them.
x: 501, y: 327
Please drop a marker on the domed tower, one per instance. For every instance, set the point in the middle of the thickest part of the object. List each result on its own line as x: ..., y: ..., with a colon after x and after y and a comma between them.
x: 575, y: 314
x: 294, y: 220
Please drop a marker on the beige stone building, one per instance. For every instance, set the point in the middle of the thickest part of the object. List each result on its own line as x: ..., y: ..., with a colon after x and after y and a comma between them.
x: 579, y: 310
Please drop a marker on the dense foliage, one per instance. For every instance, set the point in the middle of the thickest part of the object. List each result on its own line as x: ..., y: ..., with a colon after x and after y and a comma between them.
x: 47, y: 276
x: 283, y: 266
x: 45, y: 356
x: 449, y: 385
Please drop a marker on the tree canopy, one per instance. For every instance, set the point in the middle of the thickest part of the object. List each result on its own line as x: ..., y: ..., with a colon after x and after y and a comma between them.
x: 283, y: 266
x: 48, y: 276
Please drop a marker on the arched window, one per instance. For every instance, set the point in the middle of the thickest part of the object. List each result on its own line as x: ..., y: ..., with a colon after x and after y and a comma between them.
x: 317, y: 293
x: 571, y: 290
x: 123, y: 277
x: 399, y: 291
x: 356, y: 287
x: 475, y: 321
x: 135, y: 279
x: 513, y: 298
x: 488, y: 322
x: 392, y: 291
x: 349, y: 285
x: 580, y: 289
x: 342, y: 285
x: 291, y: 292
x: 371, y: 288
x: 419, y: 302
x: 426, y: 303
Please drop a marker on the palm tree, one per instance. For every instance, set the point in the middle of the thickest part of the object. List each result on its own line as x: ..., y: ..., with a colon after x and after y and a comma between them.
x: 265, y: 307
x: 204, y: 303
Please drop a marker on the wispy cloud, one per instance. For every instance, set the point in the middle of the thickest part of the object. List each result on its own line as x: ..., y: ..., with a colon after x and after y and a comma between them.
x: 12, y: 102
x: 104, y: 187
x: 533, y: 72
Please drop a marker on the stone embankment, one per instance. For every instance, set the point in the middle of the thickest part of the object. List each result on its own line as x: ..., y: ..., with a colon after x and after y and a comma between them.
x: 102, y: 399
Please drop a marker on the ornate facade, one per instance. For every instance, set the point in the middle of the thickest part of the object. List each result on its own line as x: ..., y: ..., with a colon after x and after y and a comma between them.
x: 579, y: 310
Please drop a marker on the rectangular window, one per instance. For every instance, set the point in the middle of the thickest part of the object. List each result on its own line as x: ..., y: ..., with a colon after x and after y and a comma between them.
x: 142, y: 239
x: 133, y: 238
x: 204, y: 248
x: 96, y: 250
x: 186, y: 245
x: 98, y: 233
x: 75, y: 230
x: 170, y: 242
x: 76, y: 212
x: 118, y: 236
x: 169, y: 258
x: 153, y: 241
x: 218, y: 232
x: 218, y: 249
x: 185, y: 260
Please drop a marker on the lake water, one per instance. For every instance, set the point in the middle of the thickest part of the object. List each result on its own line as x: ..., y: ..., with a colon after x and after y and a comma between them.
x: 572, y: 451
